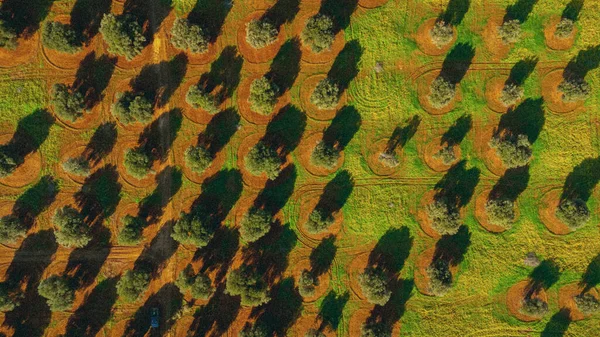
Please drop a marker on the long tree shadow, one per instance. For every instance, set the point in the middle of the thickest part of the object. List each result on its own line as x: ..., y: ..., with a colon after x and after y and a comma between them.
x: 543, y: 276
x: 285, y: 130
x: 394, y: 309
x: 219, y: 253
x: 558, y: 324
x: 92, y: 77
x: 84, y: 264
x: 340, y: 11
x: 458, y: 184
x: 210, y: 14
x: 585, y: 61
x: 345, y: 67
x: 214, y: 318
x: 99, y: 196
x: 25, y: 16
x: 336, y: 193
x: 224, y: 75
x: 321, y: 258
x: 283, y: 11
x: 511, y: 184
x: 277, y: 192
x: 526, y: 119
x: 152, y: 207
x: 458, y: 131
x: 157, y: 138
x: 520, y: 10
x: 521, y: 71
x: 343, y: 127
x: 219, y: 193
x: 282, y: 311
x: 285, y: 67
x: 402, y: 134
x: 452, y: 248
x: 159, y: 81
x: 457, y: 62
x: 331, y: 309
x: 86, y: 16
x: 572, y: 10
x: 591, y: 277
x: 168, y: 300
x: 32, y: 130
x: 96, y: 310
x: 154, y: 257
x: 581, y: 181
x: 392, y: 250
x: 219, y: 130
x: 102, y: 143
x: 455, y: 12
x: 35, y: 200
x: 148, y: 13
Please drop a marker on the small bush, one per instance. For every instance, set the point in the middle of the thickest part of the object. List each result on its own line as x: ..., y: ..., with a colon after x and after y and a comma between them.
x: 374, y: 285
x: 58, y: 293
x: 68, y: 104
x: 513, y: 150
x: 587, y: 303
x: 375, y: 330
x: 60, y: 37
x: 319, y: 221
x: 132, y: 285
x: 255, y: 224
x: 534, y: 307
x: 263, y: 96
x: 11, y: 229
x: 326, y: 94
x: 7, y: 163
x: 446, y: 154
x: 137, y: 163
x: 444, y: 217
x: 441, y: 34
x: 198, y: 98
x: 187, y: 36
x: 573, y: 212
x: 441, y: 92
x: 9, y: 300
x: 440, y: 277
x: 123, y: 35
x: 260, y: 33
x: 263, y: 158
x: 8, y: 36
x: 318, y: 33
x: 510, y: 31
x: 197, y: 158
x: 511, y: 94
x: 325, y: 155
x: 314, y: 333
x: 500, y: 212
x: 574, y: 90
x: 72, y: 231
x: 131, y: 233
x: 193, y: 229
x: 253, y: 331
x: 130, y: 108
x: 78, y: 166
x: 249, y: 286
x: 389, y: 159
x: 564, y: 28
x: 307, y: 284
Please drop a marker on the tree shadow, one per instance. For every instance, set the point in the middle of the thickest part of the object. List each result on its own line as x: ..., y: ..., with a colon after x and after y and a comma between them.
x: 25, y: 16
x: 345, y: 66
x: 581, y: 181
x: 591, y: 277
x: 102, y: 143
x: 214, y: 318
x: 336, y: 193
x: 99, y: 196
x: 157, y: 138
x: 277, y: 192
x: 526, y: 119
x: 154, y: 257
x: 219, y: 252
x: 452, y: 248
x: 331, y: 309
x: 457, y: 62
x: 511, y: 184
x: 521, y: 71
x: 210, y: 14
x: 394, y: 309
x: 152, y: 207
x: 572, y: 10
x: 520, y: 10
x: 321, y: 257
x: 35, y: 200
x: 86, y: 16
x: 96, y: 310
x: 284, y: 308
x: 402, y: 135
x: 32, y: 130
x: 455, y: 12
x: 168, y: 300
x: 285, y: 67
x: 285, y: 130
x: 219, y: 193
x: 458, y: 184
x: 392, y: 250
x: 283, y: 11
x: 543, y: 276
x: 159, y: 81
x: 148, y: 13
x: 585, y: 61
x: 558, y: 324
x: 92, y: 77
x: 458, y: 131
x: 343, y: 127
x: 219, y: 130
x: 224, y: 74
x: 84, y: 264
x: 340, y: 12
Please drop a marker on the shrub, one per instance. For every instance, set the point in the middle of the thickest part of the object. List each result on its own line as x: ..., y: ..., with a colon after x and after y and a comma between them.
x: 446, y: 154
x: 326, y: 94
x: 513, y: 150
x: 534, y: 307
x: 123, y: 35
x: 574, y: 89
x: 260, y: 33
x: 255, y: 224
x: 7, y: 163
x: 389, y: 159
x: 318, y: 33
x: 60, y: 37
x: 564, y: 28
x: 8, y: 36
x: 72, y: 230
x: 193, y: 229
x: 137, y: 163
x: 77, y: 165
x: 68, y: 104
x: 253, y: 331
x: 131, y: 233
x: 375, y: 330
x: 306, y: 284
x: 511, y: 94
x: 58, y: 293
x: 263, y: 158
x: 325, y: 155
x: 130, y: 108
x: 440, y: 277
x: 573, y: 212
x: 11, y: 229
x: 314, y: 333
x: 319, y: 221
x: 444, y: 217
x: 197, y: 158
x: 500, y: 212
x: 9, y: 299
x: 441, y: 34
x: 187, y: 36
x: 249, y: 286
x: 263, y: 96
x: 198, y: 98
x: 374, y: 284
x: 510, y: 31
x: 132, y: 285
x: 587, y: 303
x: 441, y: 92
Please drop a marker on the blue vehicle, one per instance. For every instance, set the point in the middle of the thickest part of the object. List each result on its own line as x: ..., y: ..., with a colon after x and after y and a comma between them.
x: 154, y: 318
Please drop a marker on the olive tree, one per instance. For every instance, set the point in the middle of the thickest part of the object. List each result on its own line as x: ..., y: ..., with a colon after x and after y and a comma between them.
x: 326, y: 94
x: 123, y: 35
x: 446, y: 154
x: 587, y: 303
x: 132, y: 285
x: 60, y: 37
x: 510, y: 31
x: 263, y: 96
x: 68, y: 104
x: 197, y: 158
x: 193, y: 229
x: 374, y: 285
x: 187, y: 36
x: 72, y: 231
x: 130, y: 108
x: 199, y: 98
x: 564, y: 28
x: 78, y: 166
x: 444, y: 217
x: 500, y: 212
x: 260, y: 33
x: 441, y: 34
x: 255, y: 330
x: 263, y: 159
x: 314, y: 333
x: 514, y: 150
x: 307, y: 284
x: 573, y: 212
x: 7, y: 163
x: 318, y: 33
x: 534, y: 307
x: 8, y: 36
x: 377, y: 329
x: 137, y: 163
x: 441, y: 92
x: 131, y: 233
x: 325, y: 155
x: 58, y: 292
x: 440, y: 277
x: 511, y: 94
x: 199, y: 285
x: 9, y: 298
x: 11, y: 229
x: 248, y: 285
x: 574, y: 89
x: 255, y: 224
x: 319, y: 221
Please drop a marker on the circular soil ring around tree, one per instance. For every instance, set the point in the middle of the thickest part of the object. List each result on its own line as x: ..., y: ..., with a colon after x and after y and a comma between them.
x: 24, y: 53
x: 311, y: 321
x: 481, y: 214
x: 492, y: 40
x: 323, y: 280
x: 62, y: 199
x: 547, y: 212
x: 424, y: 90
x: 144, y: 58
x: 488, y: 155
x: 306, y: 89
x: 90, y: 118
x: 305, y: 150
x: 423, y: 218
x: 421, y: 277
x: 198, y: 116
x: 493, y: 91
x: 360, y: 317
x: 431, y: 148
x: 425, y: 43
x: 179, y: 148
x: 306, y: 208
x: 67, y: 61
x: 257, y: 182
x: 243, y: 206
x: 374, y: 152
x: 244, y: 316
x: 368, y: 4
x: 27, y: 172
x: 354, y: 269
x: 192, y: 58
x: 244, y: 104
x: 553, y: 97
x: 514, y: 300
x: 325, y: 56
x: 121, y: 148
x: 260, y: 55
x: 6, y: 209
x: 552, y: 41
x: 566, y: 300
x: 74, y: 150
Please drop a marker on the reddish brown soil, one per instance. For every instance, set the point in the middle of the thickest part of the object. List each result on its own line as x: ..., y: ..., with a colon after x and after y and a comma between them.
x: 492, y: 40
x: 554, y: 42
x: 311, y: 321
x: 305, y: 150
x: 252, y: 54
x: 422, y: 216
x: 120, y: 149
x: 423, y: 90
x: 371, y: 3
x: 566, y: 301
x: 491, y: 160
x: 493, y: 90
x: 514, y: 300
x: 27, y: 172
x: 374, y: 151
x: 179, y: 147
x: 324, y: 280
x: 24, y: 53
x: 360, y: 316
x: 308, y: 55
x: 145, y: 57
x: 553, y: 96
x: 547, y: 211
x: 199, y: 116
x: 257, y: 182
x: 481, y: 214
x: 306, y: 89
x: 244, y: 103
x: 421, y: 278
x: 244, y: 316
x: 431, y: 148
x: 354, y: 269
x: 424, y: 42
x: 73, y: 150
x: 306, y: 207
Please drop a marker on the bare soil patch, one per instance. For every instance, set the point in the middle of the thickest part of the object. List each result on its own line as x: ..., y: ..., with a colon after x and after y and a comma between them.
x: 308, y: 55
x: 491, y: 160
x: 425, y: 43
x: 371, y: 3
x: 421, y: 278
x: 566, y: 300
x: 547, y: 211
x: 244, y: 103
x: 311, y: 321
x: 25, y: 52
x: 492, y: 40
x: 514, y: 300
x: 305, y: 150
x: 306, y: 89
x: 424, y: 90
x: 252, y: 54
x: 354, y: 269
x: 553, y: 96
x: 554, y: 42
x: 27, y: 172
